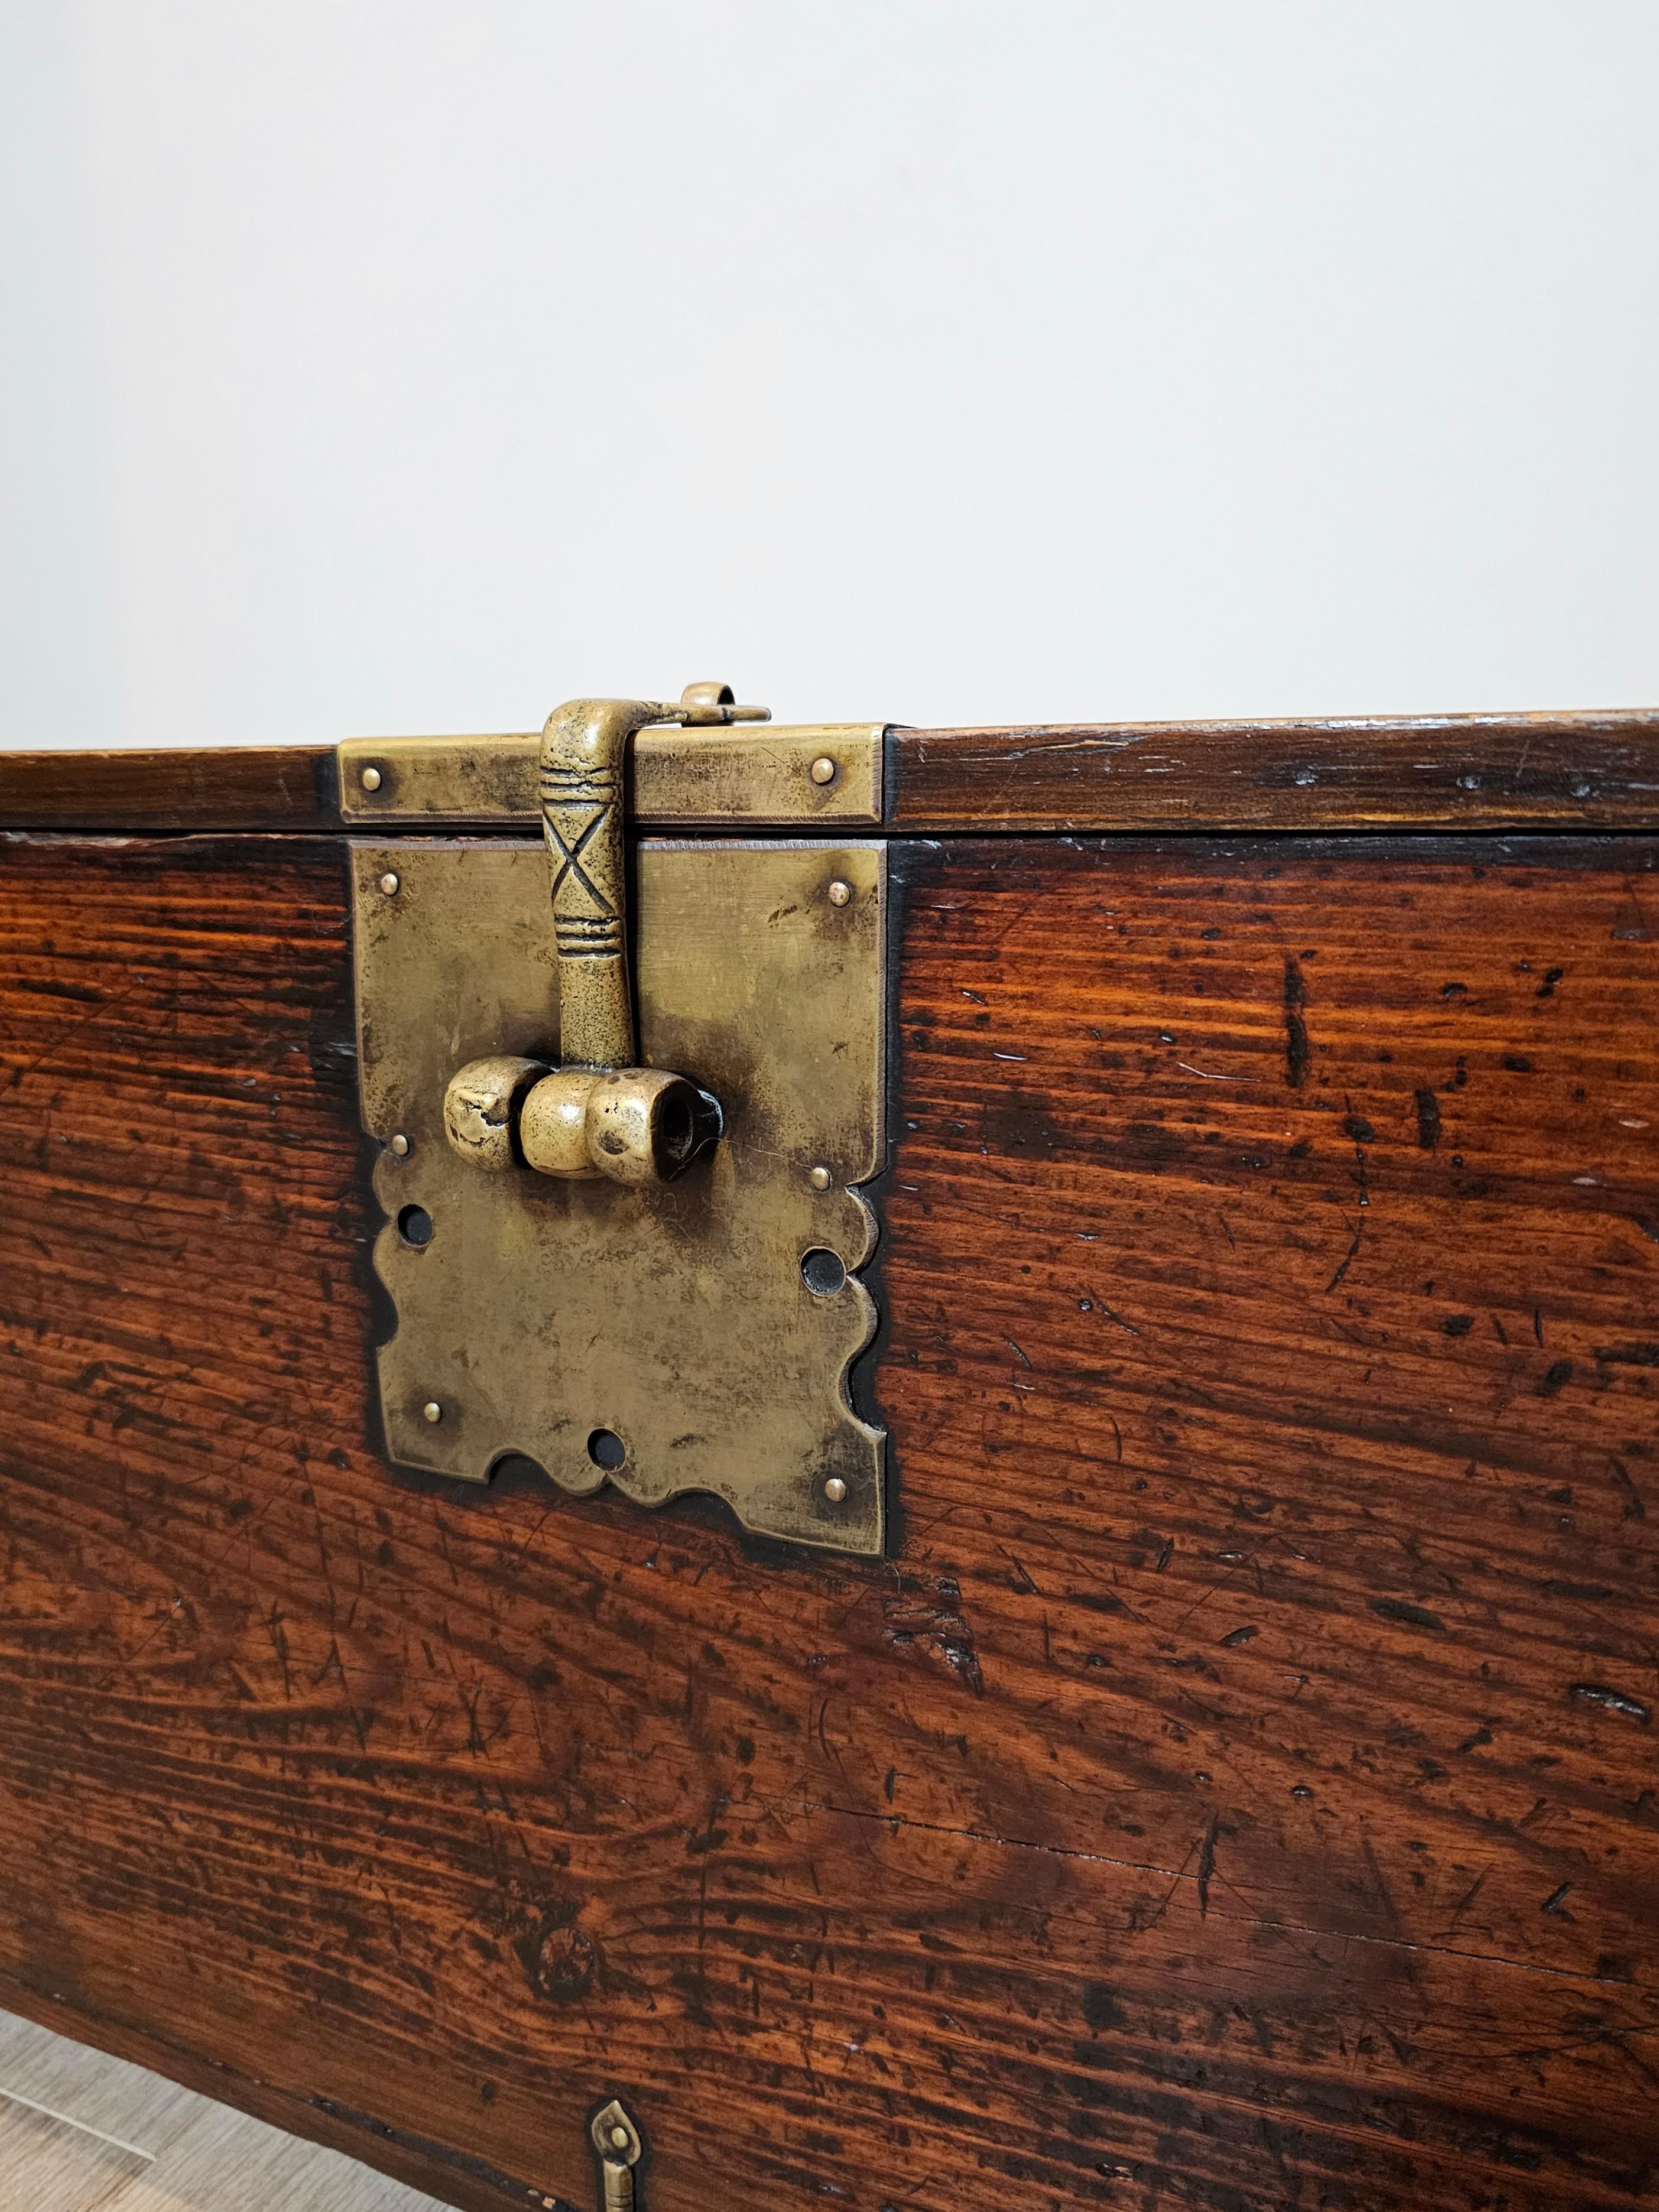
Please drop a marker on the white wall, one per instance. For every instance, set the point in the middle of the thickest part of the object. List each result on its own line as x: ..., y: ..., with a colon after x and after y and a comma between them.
x: 374, y: 365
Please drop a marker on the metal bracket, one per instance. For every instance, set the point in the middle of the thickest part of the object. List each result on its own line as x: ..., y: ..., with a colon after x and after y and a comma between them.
x: 687, y: 1335
x: 825, y: 774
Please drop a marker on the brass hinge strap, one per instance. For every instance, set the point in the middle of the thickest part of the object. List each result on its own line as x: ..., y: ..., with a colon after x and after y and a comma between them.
x: 828, y: 774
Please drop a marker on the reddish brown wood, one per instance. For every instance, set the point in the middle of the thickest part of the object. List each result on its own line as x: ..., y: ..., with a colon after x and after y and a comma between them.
x: 229, y: 787
x: 1465, y: 772
x: 1418, y: 772
x: 1236, y: 1793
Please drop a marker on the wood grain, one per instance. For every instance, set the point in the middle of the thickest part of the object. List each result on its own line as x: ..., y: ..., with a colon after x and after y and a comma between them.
x: 269, y: 787
x: 1449, y: 772
x: 1236, y: 1793
x: 49, y: 2165
x: 1467, y: 772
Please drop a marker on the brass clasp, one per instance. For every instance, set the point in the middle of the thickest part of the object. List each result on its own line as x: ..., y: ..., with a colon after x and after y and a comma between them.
x: 619, y: 2143
x: 598, y: 1113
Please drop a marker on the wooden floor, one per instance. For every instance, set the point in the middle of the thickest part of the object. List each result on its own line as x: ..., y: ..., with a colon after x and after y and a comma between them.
x: 82, y: 2133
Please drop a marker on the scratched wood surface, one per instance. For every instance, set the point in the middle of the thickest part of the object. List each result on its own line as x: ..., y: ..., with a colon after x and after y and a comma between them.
x: 1421, y: 771
x: 1237, y: 1791
x: 1477, y: 772
x: 266, y: 787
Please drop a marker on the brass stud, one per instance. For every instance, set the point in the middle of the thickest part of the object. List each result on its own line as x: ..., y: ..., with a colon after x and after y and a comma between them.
x: 619, y: 2137
x: 389, y: 885
x: 400, y: 1146
x: 840, y: 892
x: 823, y: 769
x: 834, y: 1489
x: 433, y: 1411
x: 371, y: 778
x: 820, y: 1178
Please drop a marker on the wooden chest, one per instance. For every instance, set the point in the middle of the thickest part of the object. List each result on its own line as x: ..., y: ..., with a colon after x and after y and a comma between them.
x: 1229, y: 1784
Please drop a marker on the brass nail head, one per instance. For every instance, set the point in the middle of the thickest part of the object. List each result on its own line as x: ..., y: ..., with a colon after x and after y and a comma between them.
x: 400, y: 1146
x: 823, y: 769
x: 389, y: 885
x: 371, y: 778
x: 834, y: 1489
x: 840, y: 892
x: 434, y: 1411
x: 619, y: 2137
x: 820, y: 1178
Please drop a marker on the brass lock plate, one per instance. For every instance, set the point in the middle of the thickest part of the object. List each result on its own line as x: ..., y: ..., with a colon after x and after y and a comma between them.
x: 696, y: 1336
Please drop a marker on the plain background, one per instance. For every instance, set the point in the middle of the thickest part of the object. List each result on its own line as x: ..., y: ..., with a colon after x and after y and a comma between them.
x: 374, y: 365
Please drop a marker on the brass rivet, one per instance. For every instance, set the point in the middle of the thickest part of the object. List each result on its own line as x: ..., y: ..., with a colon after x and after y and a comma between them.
x: 389, y: 885
x: 371, y: 778
x: 400, y: 1146
x: 834, y: 1489
x: 840, y: 893
x: 619, y: 2137
x: 820, y: 1178
x: 823, y: 769
x: 434, y: 1411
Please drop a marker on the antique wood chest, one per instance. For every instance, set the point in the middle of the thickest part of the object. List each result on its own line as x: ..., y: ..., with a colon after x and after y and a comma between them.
x: 1178, y: 1732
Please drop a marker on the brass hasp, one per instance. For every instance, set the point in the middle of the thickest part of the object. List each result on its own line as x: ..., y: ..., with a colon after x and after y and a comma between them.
x: 618, y: 2142
x: 596, y: 1113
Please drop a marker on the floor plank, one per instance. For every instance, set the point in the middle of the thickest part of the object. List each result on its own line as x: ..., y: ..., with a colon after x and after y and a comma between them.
x: 81, y: 2132
x: 49, y: 2165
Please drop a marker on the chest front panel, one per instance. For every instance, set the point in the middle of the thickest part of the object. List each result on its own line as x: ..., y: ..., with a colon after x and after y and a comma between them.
x: 1233, y: 1787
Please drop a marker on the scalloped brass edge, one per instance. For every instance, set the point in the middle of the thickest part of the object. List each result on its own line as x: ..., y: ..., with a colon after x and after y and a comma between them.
x: 542, y: 1313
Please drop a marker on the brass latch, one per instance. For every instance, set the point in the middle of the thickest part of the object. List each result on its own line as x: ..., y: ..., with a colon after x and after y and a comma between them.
x: 599, y: 1113
x: 617, y: 2141
x: 620, y: 2146
x: 675, y: 1093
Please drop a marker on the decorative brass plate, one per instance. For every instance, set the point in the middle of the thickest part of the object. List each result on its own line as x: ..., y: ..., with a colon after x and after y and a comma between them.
x: 698, y: 1334
x: 677, y: 778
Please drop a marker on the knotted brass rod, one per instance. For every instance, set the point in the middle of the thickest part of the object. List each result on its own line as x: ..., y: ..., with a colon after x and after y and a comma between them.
x: 583, y: 769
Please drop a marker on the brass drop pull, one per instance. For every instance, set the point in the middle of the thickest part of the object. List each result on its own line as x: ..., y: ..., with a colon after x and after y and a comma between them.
x: 596, y: 1113
x: 617, y: 2141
